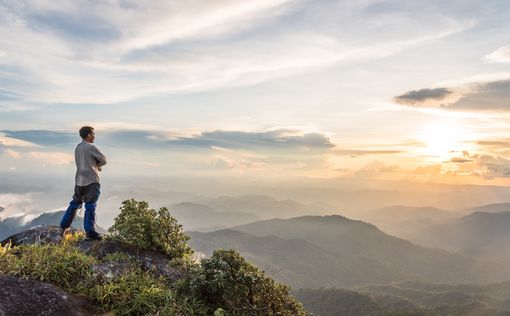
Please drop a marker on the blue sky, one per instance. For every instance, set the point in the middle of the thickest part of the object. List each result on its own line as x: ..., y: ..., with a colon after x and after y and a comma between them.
x: 363, y: 89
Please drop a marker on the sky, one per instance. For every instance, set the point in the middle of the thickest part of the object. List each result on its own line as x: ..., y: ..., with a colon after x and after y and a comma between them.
x: 282, y: 89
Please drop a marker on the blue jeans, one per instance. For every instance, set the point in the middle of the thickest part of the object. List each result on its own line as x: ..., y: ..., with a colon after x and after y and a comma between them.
x: 88, y: 194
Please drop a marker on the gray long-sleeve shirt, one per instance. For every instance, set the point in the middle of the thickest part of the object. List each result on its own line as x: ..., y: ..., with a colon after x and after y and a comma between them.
x: 88, y: 160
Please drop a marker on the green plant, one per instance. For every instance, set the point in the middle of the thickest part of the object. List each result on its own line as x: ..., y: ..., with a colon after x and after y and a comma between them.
x: 62, y: 265
x: 227, y: 282
x: 117, y: 256
x: 146, y: 228
x: 134, y: 293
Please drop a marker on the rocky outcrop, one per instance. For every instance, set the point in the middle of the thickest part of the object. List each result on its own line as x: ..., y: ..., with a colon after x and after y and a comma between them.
x: 154, y: 261
x: 36, y: 236
x: 27, y: 297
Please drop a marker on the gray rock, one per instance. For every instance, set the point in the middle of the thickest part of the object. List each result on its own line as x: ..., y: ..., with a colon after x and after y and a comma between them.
x: 37, y: 235
x: 28, y: 297
x: 107, y: 271
x: 147, y: 260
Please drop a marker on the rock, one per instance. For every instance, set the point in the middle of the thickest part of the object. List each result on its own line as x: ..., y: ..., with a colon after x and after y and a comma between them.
x: 28, y: 297
x: 107, y: 271
x: 37, y: 235
x: 147, y: 260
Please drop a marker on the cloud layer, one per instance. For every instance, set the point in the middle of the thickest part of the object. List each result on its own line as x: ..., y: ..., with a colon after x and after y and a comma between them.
x: 106, y: 52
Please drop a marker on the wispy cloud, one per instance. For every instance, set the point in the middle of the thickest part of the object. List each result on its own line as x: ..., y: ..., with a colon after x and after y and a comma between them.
x: 43, y: 137
x: 500, y: 55
x: 89, y: 52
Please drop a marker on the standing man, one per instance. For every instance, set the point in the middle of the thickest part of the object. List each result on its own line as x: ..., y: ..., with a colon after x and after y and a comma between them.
x: 89, y: 160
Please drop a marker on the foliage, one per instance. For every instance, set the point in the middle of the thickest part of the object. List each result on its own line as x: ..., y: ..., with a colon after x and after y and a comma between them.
x: 133, y: 293
x: 146, y: 228
x: 227, y: 282
x: 74, y: 238
x: 117, y: 256
x: 62, y: 265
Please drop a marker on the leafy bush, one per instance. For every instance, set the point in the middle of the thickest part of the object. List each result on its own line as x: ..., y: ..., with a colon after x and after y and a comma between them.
x: 146, y: 228
x: 228, y: 282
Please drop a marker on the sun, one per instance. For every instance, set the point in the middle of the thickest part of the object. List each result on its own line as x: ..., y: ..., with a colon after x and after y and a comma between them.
x: 442, y: 140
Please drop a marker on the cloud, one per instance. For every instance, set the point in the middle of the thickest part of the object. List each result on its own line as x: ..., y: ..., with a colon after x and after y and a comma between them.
x: 460, y: 160
x: 279, y: 139
x: 423, y: 96
x: 12, y: 153
x: 7, y: 141
x: 43, y: 137
x: 495, y: 144
x: 13, y: 204
x: 114, y: 51
x: 428, y: 170
x: 276, y: 139
x: 478, y: 96
x: 284, y: 139
x: 362, y: 152
x: 500, y: 55
x: 52, y: 158
x: 376, y: 168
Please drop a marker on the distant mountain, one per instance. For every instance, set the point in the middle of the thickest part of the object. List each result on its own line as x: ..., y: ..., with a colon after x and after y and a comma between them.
x: 193, y: 216
x: 407, y: 298
x: 491, y: 208
x: 359, y: 253
x: 13, y: 225
x: 480, y: 234
x: 495, y: 296
x: 296, y: 262
x: 262, y: 206
x: 333, y: 302
x: 399, y: 220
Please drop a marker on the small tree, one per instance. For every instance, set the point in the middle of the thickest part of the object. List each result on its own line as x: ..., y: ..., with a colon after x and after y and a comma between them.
x: 146, y: 228
x: 226, y: 281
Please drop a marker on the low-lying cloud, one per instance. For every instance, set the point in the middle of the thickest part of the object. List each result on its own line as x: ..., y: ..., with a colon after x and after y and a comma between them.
x: 271, y: 139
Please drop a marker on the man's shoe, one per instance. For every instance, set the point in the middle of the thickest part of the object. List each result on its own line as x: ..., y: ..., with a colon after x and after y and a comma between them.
x: 62, y: 232
x: 93, y: 236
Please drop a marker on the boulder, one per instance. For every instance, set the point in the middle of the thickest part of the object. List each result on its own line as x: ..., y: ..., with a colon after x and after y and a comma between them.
x: 28, y: 297
x: 37, y: 235
x: 148, y: 260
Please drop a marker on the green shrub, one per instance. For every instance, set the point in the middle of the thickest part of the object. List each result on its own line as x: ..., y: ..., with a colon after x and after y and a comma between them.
x: 61, y: 265
x: 226, y: 281
x: 134, y: 293
x: 146, y: 228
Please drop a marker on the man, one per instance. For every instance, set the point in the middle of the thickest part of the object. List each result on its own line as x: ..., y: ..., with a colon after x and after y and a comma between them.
x: 89, y: 161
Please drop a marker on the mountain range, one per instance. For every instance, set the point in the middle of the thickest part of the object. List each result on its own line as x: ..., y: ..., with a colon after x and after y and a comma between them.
x: 480, y: 234
x: 334, y: 251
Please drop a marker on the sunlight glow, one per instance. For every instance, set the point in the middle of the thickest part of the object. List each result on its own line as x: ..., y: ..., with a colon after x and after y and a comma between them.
x: 444, y: 139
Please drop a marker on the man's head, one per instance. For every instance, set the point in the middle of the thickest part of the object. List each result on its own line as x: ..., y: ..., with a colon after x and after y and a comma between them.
x: 87, y: 134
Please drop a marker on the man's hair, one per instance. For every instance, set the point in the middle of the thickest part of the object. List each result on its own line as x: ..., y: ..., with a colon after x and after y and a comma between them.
x: 85, y: 130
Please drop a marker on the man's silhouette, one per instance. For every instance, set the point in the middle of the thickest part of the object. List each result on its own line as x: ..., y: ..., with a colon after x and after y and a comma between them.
x: 89, y: 160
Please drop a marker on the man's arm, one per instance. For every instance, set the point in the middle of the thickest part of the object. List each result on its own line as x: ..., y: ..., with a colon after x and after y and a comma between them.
x: 98, y: 156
